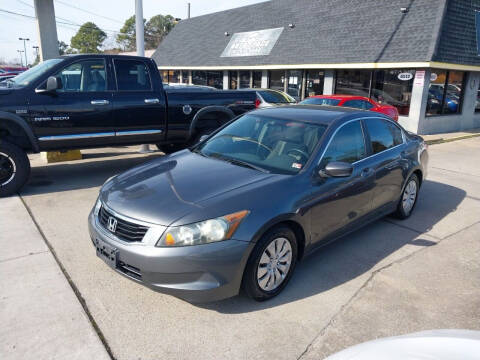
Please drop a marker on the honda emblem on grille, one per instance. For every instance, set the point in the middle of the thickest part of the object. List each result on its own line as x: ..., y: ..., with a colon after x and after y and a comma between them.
x: 112, y: 224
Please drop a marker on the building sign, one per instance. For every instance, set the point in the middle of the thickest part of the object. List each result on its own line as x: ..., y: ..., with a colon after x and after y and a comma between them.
x: 419, y: 77
x: 252, y: 43
x: 405, y: 76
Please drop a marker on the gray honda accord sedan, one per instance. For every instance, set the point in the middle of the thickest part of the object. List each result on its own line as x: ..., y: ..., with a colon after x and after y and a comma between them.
x: 242, y: 207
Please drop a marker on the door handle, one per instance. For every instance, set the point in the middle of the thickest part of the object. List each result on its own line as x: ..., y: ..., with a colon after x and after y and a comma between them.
x: 151, y: 101
x: 99, y: 102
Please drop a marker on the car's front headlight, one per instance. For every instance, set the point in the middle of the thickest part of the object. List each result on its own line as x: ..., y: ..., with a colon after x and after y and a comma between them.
x: 203, y: 232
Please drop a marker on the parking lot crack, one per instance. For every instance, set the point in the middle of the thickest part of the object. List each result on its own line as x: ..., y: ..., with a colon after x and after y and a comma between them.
x: 456, y: 172
x: 23, y: 256
x: 74, y: 287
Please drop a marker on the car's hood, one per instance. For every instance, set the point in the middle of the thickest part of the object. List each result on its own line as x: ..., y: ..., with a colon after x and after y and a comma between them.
x: 166, y: 189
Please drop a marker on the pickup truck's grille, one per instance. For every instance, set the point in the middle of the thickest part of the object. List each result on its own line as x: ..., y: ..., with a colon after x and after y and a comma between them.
x: 124, y: 230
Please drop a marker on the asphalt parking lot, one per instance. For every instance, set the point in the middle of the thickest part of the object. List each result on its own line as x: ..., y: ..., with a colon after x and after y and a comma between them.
x: 388, y: 279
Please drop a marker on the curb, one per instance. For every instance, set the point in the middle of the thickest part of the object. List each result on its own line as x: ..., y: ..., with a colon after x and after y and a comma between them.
x: 443, y: 140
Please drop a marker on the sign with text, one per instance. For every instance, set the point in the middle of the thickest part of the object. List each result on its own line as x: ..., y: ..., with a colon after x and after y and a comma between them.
x: 419, y: 77
x: 252, y: 43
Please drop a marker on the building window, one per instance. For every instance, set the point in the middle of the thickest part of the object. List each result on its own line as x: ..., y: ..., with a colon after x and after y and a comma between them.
x: 390, y: 86
x: 244, y: 79
x: 199, y: 77
x: 276, y: 80
x: 393, y: 87
x: 184, y: 77
x: 257, y: 79
x: 294, y: 83
x: 171, y: 76
x: 445, y: 93
x: 233, y: 79
x: 314, y: 83
x: 215, y: 79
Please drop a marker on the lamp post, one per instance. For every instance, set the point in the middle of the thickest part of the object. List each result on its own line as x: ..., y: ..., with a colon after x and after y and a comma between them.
x: 36, y: 49
x: 25, y: 48
x: 21, y: 56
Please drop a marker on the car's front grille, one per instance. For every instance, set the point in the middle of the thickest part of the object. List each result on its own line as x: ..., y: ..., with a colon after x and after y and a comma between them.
x: 124, y: 230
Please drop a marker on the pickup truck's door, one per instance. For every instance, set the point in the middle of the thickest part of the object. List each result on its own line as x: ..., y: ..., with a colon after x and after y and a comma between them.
x: 79, y: 114
x: 139, y: 103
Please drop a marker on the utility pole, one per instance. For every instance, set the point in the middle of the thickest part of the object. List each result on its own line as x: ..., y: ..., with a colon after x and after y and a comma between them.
x: 25, y: 48
x: 139, y: 34
x: 36, y: 51
x: 188, y: 11
x: 21, y: 56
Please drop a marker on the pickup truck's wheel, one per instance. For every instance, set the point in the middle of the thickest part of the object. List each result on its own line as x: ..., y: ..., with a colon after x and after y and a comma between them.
x: 271, y: 264
x: 14, y: 168
x: 170, y: 148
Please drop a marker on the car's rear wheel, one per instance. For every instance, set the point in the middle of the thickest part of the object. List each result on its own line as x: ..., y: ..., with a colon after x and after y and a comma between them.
x: 408, y: 200
x: 271, y: 264
x: 14, y: 168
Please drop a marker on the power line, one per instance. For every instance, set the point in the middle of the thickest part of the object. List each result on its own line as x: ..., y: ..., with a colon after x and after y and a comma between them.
x: 88, y: 12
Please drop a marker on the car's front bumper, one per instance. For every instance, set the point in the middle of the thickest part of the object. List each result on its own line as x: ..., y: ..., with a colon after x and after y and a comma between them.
x: 198, y: 273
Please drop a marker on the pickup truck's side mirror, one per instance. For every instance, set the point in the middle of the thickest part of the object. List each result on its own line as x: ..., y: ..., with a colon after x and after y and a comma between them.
x: 53, y: 84
x: 336, y: 169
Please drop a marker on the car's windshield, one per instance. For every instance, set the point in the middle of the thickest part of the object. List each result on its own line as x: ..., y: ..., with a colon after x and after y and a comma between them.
x: 32, y: 74
x: 275, y: 97
x: 320, y: 101
x: 270, y: 144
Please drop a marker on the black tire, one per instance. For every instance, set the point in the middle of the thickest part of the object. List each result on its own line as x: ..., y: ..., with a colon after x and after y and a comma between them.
x: 250, y: 283
x: 402, y: 213
x: 14, y: 168
x: 170, y: 148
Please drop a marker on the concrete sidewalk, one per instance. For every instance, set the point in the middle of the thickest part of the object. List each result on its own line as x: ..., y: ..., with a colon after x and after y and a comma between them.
x: 40, y: 316
x: 453, y: 136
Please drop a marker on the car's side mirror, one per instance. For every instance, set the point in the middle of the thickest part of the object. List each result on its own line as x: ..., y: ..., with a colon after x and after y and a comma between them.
x: 53, y: 84
x: 336, y: 169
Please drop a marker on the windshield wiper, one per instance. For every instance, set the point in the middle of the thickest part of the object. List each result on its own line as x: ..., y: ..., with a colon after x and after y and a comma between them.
x: 238, y: 162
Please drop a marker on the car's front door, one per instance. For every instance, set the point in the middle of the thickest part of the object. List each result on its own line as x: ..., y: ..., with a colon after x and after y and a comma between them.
x: 138, y: 104
x: 342, y: 200
x: 387, y: 160
x: 79, y: 113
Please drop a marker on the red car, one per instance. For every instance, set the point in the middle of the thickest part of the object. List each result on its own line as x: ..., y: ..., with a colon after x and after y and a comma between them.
x: 359, y: 102
x: 11, y: 70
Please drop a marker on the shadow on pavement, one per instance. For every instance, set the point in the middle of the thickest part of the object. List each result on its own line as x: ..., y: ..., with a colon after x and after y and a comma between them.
x: 80, y: 175
x: 355, y: 254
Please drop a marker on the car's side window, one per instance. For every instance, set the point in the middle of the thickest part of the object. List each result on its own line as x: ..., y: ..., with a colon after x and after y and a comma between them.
x: 383, y: 134
x: 358, y: 104
x: 132, y: 75
x: 83, y: 76
x: 347, y: 145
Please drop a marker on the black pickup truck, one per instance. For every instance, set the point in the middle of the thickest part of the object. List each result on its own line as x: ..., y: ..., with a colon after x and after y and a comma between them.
x: 86, y: 101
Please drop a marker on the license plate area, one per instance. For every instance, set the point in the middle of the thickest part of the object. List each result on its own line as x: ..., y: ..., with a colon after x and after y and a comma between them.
x: 107, y: 253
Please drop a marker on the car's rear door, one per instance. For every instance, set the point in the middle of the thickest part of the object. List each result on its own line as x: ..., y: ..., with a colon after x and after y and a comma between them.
x: 80, y: 112
x: 387, y: 147
x: 138, y: 103
x: 341, y: 200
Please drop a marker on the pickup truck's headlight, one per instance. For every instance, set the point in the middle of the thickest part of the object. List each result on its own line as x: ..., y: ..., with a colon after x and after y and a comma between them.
x: 203, y: 232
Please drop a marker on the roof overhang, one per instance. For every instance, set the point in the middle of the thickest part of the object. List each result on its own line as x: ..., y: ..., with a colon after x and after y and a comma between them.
x: 387, y: 65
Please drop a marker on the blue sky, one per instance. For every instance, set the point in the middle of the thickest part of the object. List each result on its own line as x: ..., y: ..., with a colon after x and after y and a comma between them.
x: 107, y: 14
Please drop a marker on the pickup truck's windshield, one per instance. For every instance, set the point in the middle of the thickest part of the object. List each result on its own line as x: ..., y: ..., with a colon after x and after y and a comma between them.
x: 265, y: 143
x: 32, y: 74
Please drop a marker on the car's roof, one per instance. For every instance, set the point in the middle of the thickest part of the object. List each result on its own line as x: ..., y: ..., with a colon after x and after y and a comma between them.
x: 341, y: 97
x: 314, y: 113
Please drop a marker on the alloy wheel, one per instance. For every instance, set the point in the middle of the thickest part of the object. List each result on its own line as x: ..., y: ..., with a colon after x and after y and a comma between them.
x: 7, y: 169
x: 409, y: 196
x: 274, y: 264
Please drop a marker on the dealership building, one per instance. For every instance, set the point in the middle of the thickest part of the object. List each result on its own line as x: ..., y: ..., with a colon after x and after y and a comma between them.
x: 420, y: 56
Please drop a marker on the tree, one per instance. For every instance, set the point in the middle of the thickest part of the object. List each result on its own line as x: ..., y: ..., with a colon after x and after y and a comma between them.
x: 62, y: 48
x: 88, y: 39
x: 126, y: 38
x: 156, y: 29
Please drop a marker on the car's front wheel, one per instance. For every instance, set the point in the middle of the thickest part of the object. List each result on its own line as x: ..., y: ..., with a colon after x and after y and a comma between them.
x: 271, y: 264
x: 14, y: 168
